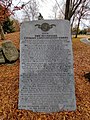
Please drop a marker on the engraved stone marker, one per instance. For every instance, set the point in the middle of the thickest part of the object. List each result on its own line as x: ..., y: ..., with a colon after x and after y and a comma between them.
x: 46, y: 67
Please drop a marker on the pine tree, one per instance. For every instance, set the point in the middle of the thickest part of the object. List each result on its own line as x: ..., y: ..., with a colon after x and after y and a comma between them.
x: 8, y: 26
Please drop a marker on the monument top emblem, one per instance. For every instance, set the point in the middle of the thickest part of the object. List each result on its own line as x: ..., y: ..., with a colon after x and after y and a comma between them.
x: 45, y: 26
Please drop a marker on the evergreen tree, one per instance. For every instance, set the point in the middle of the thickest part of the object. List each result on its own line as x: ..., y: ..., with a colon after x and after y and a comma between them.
x: 8, y: 26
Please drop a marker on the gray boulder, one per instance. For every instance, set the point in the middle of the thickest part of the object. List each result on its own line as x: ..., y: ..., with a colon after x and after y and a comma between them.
x: 10, y: 51
x: 2, y: 59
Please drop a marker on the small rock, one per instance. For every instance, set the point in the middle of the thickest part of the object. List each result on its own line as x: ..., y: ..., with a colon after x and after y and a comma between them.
x: 2, y: 59
x: 10, y: 51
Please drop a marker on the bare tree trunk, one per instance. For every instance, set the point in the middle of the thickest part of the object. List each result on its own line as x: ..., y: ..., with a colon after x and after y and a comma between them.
x: 67, y: 10
x: 72, y: 21
x: 2, y: 32
x: 78, y: 27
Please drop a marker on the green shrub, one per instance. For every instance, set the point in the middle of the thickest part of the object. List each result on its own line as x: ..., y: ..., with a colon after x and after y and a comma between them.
x: 8, y: 26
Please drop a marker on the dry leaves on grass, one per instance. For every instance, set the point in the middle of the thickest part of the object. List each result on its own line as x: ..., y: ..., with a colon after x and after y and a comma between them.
x: 9, y: 86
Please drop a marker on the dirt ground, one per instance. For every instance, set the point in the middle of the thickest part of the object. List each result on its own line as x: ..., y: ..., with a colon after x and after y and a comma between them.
x: 9, y: 88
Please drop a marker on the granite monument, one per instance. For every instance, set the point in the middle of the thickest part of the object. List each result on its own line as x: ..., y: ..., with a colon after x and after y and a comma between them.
x: 46, y: 67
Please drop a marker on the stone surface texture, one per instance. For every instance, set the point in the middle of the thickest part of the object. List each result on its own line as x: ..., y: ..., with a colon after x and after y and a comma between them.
x: 2, y: 59
x: 46, y: 67
x: 10, y: 51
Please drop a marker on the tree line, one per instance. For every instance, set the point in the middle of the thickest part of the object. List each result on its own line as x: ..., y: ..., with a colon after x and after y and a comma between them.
x: 73, y: 10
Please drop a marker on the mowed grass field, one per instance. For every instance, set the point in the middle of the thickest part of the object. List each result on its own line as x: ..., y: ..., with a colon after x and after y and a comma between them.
x: 9, y: 87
